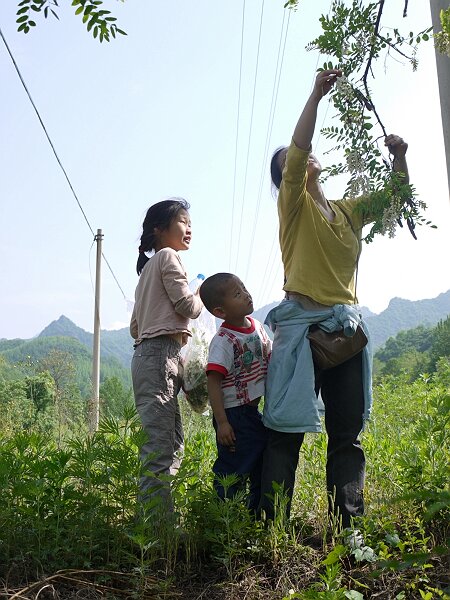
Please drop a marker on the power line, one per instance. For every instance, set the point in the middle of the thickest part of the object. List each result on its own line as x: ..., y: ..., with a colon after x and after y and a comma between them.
x: 237, y: 131
x: 275, y: 88
x: 271, y: 260
x: 250, y: 132
x: 55, y: 153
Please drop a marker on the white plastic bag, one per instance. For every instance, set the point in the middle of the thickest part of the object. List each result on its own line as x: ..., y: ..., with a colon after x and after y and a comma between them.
x: 195, y: 359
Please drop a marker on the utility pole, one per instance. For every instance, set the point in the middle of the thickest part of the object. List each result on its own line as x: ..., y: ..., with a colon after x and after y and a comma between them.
x: 95, y: 405
x: 443, y: 72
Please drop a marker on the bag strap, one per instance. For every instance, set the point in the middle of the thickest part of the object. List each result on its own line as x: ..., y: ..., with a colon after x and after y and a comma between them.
x: 358, y: 239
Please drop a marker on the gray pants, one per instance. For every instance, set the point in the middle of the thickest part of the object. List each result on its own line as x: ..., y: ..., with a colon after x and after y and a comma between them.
x: 155, y: 370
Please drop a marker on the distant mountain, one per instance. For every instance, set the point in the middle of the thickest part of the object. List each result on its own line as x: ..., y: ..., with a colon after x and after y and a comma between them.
x: 28, y: 352
x: 114, y: 343
x: 117, y: 346
x: 400, y: 315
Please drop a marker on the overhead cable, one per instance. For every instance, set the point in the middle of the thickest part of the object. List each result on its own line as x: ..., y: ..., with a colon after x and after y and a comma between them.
x: 56, y: 154
x: 237, y: 132
x: 250, y: 133
x: 275, y: 88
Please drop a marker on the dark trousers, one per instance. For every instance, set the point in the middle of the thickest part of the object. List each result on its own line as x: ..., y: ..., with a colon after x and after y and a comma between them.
x: 245, y: 459
x: 343, y: 397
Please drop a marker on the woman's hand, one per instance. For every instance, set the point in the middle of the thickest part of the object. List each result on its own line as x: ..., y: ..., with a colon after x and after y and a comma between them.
x: 396, y: 145
x: 325, y: 81
x: 304, y: 130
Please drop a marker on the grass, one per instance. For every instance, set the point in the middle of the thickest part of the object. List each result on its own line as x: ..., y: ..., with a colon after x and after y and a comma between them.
x: 70, y: 526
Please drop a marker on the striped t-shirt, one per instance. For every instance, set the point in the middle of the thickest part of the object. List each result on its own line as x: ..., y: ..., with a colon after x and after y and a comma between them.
x: 241, y: 355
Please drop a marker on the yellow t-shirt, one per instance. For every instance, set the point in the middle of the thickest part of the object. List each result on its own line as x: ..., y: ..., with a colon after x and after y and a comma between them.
x: 319, y: 256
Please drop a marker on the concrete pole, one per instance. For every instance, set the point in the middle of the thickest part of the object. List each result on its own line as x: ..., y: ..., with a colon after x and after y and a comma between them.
x: 95, y: 407
x: 443, y: 72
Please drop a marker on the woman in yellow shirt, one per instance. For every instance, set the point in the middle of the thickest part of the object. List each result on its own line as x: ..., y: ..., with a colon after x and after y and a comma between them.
x: 320, y: 243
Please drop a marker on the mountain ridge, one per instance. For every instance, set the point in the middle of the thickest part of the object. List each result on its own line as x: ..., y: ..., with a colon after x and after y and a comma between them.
x: 400, y: 315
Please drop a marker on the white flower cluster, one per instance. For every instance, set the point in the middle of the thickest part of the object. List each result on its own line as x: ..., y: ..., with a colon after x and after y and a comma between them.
x: 344, y: 87
x: 358, y: 46
x: 360, y: 43
x: 442, y: 42
x: 359, y: 186
x: 390, y: 216
x: 355, y: 163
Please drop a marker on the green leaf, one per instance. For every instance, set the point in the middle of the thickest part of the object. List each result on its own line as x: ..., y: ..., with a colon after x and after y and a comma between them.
x: 22, y: 27
x: 92, y: 22
x: 367, y: 125
x: 23, y: 2
x: 79, y: 10
x: 22, y: 19
x: 335, y: 555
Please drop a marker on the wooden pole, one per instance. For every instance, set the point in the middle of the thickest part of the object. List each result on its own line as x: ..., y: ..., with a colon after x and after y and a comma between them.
x: 95, y: 408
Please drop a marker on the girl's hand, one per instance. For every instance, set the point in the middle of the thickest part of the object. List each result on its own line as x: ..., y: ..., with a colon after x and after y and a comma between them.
x: 396, y: 145
x: 325, y: 81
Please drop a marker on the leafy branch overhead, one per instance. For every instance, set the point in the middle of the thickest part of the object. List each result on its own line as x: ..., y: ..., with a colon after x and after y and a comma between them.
x: 355, y: 40
x: 98, y: 20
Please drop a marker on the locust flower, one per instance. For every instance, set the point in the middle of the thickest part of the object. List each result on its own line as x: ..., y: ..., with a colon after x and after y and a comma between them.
x: 390, y: 217
x: 344, y: 87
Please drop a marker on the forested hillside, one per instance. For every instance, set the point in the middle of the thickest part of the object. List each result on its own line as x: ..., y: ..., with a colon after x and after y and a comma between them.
x: 117, y: 345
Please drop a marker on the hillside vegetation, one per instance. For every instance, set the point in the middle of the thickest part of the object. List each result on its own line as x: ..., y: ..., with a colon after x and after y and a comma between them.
x: 70, y: 525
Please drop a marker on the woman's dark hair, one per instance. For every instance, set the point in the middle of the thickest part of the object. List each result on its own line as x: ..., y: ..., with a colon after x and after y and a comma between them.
x: 159, y: 215
x: 275, y: 169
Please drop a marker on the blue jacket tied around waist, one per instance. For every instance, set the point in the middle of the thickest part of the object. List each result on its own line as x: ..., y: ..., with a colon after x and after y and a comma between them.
x: 291, y: 404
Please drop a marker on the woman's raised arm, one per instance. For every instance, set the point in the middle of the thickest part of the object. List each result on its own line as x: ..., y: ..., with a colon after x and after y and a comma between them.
x: 306, y: 124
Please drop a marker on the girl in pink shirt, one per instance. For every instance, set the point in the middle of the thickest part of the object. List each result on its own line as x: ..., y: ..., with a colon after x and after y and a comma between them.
x: 160, y: 326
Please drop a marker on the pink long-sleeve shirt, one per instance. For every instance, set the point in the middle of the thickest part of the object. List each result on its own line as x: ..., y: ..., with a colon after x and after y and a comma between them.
x: 163, y: 301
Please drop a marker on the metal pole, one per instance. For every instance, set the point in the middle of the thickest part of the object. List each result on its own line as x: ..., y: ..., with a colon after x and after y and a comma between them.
x: 95, y: 408
x: 443, y: 72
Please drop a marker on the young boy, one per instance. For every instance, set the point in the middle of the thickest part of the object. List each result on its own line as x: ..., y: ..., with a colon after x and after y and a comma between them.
x: 237, y: 366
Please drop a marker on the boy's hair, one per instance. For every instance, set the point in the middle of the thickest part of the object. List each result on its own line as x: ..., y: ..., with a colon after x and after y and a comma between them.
x: 213, y: 290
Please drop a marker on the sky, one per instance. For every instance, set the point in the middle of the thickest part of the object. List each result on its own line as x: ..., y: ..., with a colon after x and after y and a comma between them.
x: 176, y: 109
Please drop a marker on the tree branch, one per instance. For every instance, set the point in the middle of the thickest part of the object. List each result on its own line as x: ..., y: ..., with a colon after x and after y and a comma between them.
x: 369, y: 64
